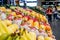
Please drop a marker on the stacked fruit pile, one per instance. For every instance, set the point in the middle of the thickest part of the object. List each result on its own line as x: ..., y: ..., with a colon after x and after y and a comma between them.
x: 23, y: 24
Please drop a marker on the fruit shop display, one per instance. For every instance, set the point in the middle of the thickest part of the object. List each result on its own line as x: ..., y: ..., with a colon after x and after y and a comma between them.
x: 19, y: 23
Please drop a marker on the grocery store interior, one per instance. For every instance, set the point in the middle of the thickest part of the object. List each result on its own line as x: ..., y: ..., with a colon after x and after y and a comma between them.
x: 29, y: 19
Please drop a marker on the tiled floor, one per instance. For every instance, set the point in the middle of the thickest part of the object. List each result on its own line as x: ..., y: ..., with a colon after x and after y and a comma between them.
x: 55, y: 25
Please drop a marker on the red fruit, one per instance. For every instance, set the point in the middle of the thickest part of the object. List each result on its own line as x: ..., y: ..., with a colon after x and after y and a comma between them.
x: 34, y: 19
x: 10, y: 17
x: 30, y: 10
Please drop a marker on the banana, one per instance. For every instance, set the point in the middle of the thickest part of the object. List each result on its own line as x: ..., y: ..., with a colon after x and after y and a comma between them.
x: 1, y: 29
x: 17, y: 38
x: 9, y: 38
x: 14, y: 37
x: 33, y: 35
x: 21, y: 30
x: 24, y: 37
x: 40, y: 38
x: 3, y: 37
x: 12, y: 28
x: 27, y: 35
x: 21, y: 38
x: 47, y: 38
x: 4, y: 27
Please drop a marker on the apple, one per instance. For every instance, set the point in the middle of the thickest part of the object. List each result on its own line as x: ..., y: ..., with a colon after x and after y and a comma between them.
x: 10, y: 17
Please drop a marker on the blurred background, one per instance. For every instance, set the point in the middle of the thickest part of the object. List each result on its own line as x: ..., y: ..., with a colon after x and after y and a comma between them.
x: 41, y: 6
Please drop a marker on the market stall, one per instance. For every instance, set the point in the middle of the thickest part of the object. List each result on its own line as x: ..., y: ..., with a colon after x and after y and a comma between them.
x: 18, y: 23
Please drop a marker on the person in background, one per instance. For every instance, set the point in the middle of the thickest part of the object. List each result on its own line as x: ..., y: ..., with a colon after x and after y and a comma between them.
x: 49, y: 13
x: 55, y: 13
x: 24, y: 4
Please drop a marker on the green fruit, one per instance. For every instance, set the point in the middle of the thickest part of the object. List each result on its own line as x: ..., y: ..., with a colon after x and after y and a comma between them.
x: 9, y: 38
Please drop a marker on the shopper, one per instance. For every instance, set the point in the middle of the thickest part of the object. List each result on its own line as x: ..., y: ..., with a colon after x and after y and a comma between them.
x: 49, y: 13
x: 55, y: 13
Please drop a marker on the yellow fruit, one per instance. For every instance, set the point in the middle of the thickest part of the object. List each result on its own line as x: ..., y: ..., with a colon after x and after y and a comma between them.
x: 28, y: 36
x: 42, y: 27
x: 8, y: 22
x: 20, y: 16
x: 33, y: 13
x: 13, y: 13
x: 48, y: 38
x: 4, y: 26
x: 36, y: 24
x: 33, y: 35
x: 9, y: 11
x: 37, y: 15
x: 30, y: 22
x: 40, y: 38
x: 3, y: 9
x: 12, y: 28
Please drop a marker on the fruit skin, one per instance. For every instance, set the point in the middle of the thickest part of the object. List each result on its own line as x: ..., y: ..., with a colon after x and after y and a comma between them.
x: 12, y: 28
x: 10, y: 17
x: 48, y: 28
x: 4, y: 27
x: 9, y: 11
x: 13, y: 13
x: 24, y: 37
x: 40, y: 38
x: 2, y: 31
x: 36, y: 24
x: 33, y: 35
x: 3, y: 9
x: 4, y: 36
x: 42, y: 27
x: 8, y: 22
x: 9, y: 38
x: 48, y: 38
x: 27, y: 35
x: 17, y: 38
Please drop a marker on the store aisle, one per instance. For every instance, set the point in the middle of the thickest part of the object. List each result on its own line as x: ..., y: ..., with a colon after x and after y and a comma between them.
x: 55, y: 25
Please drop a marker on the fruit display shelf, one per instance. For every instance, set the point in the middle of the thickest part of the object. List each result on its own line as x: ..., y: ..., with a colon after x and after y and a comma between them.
x: 18, y: 23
